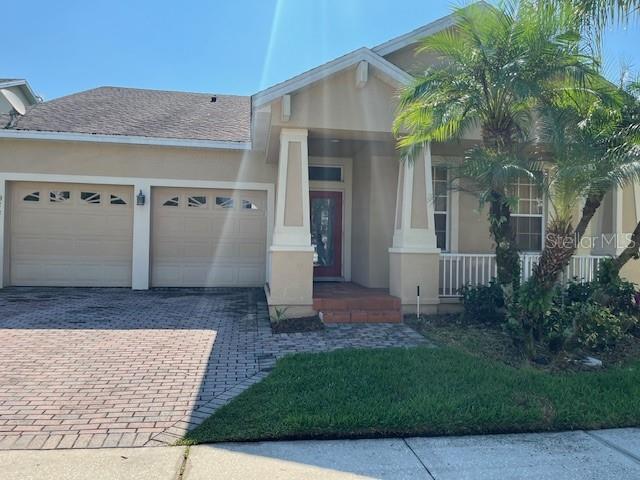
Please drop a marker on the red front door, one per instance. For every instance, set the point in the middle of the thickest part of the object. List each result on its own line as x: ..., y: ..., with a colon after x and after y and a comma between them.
x: 326, y: 233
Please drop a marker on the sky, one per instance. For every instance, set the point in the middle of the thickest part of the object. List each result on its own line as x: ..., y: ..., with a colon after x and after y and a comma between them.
x: 213, y: 46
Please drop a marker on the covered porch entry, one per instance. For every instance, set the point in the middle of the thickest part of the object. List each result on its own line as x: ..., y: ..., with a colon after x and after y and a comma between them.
x: 352, y: 238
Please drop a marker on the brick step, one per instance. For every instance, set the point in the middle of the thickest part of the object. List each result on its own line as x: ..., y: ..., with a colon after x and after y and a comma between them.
x: 363, y: 303
x: 361, y: 316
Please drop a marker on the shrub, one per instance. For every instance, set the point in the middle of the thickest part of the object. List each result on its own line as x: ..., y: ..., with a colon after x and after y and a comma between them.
x: 585, y: 324
x: 483, y: 303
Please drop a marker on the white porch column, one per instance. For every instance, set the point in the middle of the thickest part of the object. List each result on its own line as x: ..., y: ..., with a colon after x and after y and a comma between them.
x: 414, y: 258
x: 141, y: 238
x: 3, y: 223
x: 290, y: 284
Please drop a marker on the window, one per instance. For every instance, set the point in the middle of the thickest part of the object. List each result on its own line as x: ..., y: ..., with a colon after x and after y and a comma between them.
x: 325, y: 174
x: 90, y: 197
x: 197, y: 201
x: 527, y: 216
x: 248, y: 205
x: 224, y: 202
x: 440, y: 205
x: 172, y: 202
x: 117, y: 200
x: 59, y: 196
x: 32, y: 197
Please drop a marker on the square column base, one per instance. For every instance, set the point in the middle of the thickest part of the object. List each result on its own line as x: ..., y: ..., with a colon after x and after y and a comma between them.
x: 290, y: 286
x: 410, y: 269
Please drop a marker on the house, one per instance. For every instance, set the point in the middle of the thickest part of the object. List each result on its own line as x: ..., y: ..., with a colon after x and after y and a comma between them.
x: 296, y: 184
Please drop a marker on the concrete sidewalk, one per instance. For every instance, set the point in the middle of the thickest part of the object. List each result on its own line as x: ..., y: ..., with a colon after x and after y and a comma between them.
x: 604, y: 454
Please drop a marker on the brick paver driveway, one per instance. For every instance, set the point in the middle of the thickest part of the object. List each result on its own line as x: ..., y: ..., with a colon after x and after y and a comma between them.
x: 112, y: 367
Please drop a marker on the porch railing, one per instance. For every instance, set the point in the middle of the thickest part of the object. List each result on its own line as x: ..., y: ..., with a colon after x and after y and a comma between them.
x: 460, y: 269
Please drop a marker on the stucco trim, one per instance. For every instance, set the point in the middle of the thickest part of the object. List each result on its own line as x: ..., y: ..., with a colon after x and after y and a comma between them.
x: 141, y: 216
x: 386, y: 68
x: 124, y: 139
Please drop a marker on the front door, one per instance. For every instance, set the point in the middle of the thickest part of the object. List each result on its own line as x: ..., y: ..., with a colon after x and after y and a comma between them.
x: 326, y: 233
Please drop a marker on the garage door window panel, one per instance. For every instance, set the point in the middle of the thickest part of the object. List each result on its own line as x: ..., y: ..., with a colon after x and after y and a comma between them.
x: 172, y: 202
x: 59, y: 196
x: 197, y: 201
x: 224, y: 202
x: 117, y: 200
x: 32, y: 197
x: 92, y: 198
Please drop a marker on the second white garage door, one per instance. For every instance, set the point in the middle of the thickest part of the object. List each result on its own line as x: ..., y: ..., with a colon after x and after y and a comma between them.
x: 208, y: 238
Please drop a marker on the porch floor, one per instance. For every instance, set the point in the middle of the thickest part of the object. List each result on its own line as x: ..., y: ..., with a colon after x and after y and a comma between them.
x: 347, y: 302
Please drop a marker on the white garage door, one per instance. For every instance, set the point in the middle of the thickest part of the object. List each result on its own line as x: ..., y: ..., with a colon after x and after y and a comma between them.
x: 208, y: 238
x: 71, y: 235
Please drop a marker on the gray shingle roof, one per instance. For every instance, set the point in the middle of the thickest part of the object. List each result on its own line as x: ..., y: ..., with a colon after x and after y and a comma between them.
x: 146, y: 113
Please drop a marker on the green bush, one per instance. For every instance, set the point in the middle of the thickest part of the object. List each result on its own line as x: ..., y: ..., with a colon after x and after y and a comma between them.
x: 585, y: 324
x: 483, y: 303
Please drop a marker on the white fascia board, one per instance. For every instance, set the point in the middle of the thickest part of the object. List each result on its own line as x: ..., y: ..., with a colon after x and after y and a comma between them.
x: 123, y: 139
x: 25, y: 86
x: 414, y: 36
x: 298, y: 82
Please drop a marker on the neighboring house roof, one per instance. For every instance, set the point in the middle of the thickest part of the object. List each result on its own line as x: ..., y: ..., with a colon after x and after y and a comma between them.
x: 134, y: 112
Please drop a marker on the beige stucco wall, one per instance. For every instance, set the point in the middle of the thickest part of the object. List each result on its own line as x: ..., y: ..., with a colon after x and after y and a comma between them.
x: 336, y: 103
x: 628, y: 209
x: 361, y: 219
x: 374, y: 202
x: 408, y: 60
x: 83, y: 158
x: 473, y: 233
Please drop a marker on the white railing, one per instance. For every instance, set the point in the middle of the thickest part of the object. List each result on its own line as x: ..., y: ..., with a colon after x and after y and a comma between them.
x: 460, y: 269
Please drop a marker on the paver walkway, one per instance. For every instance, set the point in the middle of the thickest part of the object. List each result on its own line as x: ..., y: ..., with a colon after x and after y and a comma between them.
x: 85, y: 368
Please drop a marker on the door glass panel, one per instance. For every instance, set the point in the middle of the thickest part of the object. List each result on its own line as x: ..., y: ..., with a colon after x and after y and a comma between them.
x: 322, y: 230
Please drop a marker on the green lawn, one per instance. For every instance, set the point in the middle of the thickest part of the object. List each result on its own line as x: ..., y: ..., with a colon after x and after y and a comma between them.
x: 420, y: 391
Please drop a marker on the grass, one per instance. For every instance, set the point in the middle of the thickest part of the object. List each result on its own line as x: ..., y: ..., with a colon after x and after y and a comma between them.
x: 420, y: 391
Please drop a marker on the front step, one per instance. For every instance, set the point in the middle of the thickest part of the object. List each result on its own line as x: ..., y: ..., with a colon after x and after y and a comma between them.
x: 361, y: 316
x: 359, y: 307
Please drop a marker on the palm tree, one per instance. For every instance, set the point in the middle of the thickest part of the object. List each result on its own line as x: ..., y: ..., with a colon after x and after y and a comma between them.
x: 494, y: 69
x: 630, y: 144
x: 594, y: 151
x: 596, y: 14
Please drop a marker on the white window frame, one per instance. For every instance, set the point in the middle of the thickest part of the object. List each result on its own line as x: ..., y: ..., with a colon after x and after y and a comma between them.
x: 447, y: 213
x: 542, y: 216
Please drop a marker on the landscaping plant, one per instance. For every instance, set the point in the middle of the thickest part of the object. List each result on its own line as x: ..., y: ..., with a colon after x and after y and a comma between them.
x: 496, y: 70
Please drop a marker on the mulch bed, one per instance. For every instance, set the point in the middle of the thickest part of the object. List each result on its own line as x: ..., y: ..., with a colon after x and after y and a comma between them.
x: 492, y: 342
x: 297, y: 325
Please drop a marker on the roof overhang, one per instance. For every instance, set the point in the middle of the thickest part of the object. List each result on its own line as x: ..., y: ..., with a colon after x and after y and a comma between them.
x: 385, y: 69
x: 26, y: 88
x: 414, y: 36
x: 418, y: 34
x: 123, y: 139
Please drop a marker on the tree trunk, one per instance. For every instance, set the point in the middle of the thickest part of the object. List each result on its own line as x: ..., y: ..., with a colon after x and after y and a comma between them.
x: 559, y: 247
x: 630, y: 251
x: 591, y: 205
x: 561, y: 243
x: 507, y: 258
